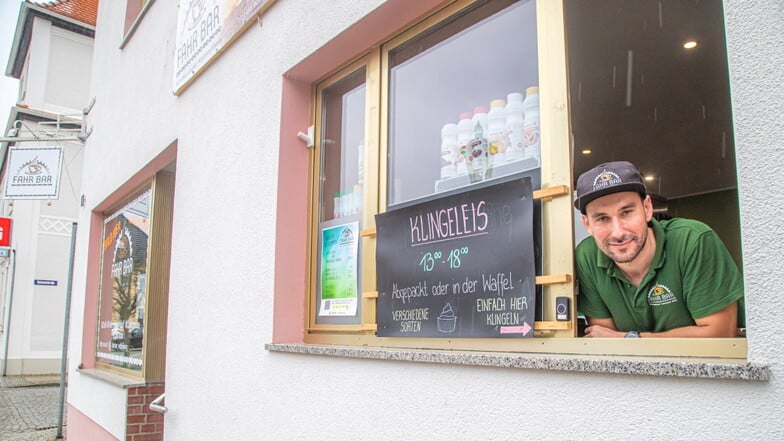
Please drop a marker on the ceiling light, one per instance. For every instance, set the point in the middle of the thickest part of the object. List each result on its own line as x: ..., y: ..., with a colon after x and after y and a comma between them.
x: 650, y: 178
x: 691, y: 44
x: 586, y: 151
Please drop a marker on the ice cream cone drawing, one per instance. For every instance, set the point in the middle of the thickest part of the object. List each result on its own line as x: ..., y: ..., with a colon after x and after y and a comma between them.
x: 447, y: 320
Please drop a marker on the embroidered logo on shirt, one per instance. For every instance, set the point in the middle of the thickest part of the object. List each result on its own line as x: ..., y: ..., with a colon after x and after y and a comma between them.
x: 660, y: 295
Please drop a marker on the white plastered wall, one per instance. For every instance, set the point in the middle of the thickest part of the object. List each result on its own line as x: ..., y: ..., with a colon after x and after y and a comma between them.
x: 222, y: 384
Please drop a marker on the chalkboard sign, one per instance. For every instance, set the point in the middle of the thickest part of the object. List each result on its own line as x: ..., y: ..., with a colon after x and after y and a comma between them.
x: 458, y: 266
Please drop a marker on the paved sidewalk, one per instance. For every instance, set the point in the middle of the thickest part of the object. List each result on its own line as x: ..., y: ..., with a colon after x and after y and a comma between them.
x: 29, y: 407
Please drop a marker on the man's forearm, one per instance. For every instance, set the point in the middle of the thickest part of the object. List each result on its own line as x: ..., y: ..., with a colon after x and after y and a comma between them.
x: 692, y: 331
x: 721, y: 324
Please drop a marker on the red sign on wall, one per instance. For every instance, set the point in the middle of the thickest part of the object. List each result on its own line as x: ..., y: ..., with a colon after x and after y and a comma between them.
x: 5, y: 231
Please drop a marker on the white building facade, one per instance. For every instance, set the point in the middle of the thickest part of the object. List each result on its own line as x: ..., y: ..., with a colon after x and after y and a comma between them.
x: 52, y: 58
x: 221, y: 263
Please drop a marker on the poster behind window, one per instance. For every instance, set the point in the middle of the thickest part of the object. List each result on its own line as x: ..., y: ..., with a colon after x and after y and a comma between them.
x: 123, y: 284
x: 339, y: 270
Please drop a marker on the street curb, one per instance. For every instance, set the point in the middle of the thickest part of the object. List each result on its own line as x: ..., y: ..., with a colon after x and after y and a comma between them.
x: 13, y: 381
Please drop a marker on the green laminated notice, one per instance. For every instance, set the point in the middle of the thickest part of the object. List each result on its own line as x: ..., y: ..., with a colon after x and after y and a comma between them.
x: 339, y: 270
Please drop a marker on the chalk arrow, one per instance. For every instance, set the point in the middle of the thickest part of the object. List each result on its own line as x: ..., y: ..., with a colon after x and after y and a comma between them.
x: 526, y: 328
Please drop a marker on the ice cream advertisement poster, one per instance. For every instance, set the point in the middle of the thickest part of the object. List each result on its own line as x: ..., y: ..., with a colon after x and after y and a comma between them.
x: 461, y: 266
x: 338, y: 278
x: 205, y: 28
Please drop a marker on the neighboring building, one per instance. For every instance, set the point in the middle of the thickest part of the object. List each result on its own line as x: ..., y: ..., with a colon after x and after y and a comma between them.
x: 51, y: 55
x: 215, y: 267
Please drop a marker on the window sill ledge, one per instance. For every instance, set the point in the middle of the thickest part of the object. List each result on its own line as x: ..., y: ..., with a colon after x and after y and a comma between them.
x: 115, y: 379
x: 660, y: 366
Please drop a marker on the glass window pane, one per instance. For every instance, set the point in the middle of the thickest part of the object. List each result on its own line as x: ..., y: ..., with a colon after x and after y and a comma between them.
x: 123, y: 283
x: 461, y: 98
x: 342, y: 145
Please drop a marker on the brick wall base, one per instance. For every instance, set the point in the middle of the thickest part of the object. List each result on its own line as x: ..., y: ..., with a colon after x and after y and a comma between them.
x: 142, y: 424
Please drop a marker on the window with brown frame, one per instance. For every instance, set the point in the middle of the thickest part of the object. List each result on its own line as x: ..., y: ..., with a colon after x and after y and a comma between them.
x: 391, y: 130
x: 133, y: 293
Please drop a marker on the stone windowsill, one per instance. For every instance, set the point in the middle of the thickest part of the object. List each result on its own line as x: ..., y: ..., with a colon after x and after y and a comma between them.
x: 671, y: 367
x: 115, y: 378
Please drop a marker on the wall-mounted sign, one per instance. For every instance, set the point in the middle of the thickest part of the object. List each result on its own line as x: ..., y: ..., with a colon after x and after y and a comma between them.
x: 458, y: 266
x: 205, y: 28
x: 45, y: 282
x: 33, y: 173
x: 5, y: 231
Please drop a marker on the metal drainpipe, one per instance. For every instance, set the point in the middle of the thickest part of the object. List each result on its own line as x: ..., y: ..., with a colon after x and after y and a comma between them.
x: 10, y: 308
x: 67, y: 320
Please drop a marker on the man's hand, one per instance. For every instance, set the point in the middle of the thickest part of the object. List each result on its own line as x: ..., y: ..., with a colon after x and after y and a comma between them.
x: 598, y: 331
x: 602, y: 328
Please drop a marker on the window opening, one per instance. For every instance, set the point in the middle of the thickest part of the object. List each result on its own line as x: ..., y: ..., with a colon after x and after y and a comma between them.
x: 123, y: 283
x: 341, y: 189
x: 649, y: 84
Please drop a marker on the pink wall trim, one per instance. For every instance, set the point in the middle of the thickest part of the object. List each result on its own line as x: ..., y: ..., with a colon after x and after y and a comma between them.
x: 80, y: 426
x: 167, y: 156
x: 132, y: 10
x: 291, y: 259
x: 90, y: 324
x: 292, y: 220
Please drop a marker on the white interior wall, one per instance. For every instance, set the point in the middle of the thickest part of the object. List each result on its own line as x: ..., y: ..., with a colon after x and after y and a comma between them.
x: 222, y: 384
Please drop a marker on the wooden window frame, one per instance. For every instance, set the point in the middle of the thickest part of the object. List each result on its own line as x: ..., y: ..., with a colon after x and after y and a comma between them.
x: 557, y: 213
x: 156, y: 291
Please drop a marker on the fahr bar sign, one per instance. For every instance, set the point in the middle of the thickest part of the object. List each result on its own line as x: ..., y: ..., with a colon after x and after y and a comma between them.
x: 5, y: 231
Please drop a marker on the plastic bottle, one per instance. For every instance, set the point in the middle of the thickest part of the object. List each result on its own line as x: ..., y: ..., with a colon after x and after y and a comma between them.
x: 465, y: 132
x: 496, y: 133
x: 344, y: 208
x: 531, y: 109
x: 480, y: 117
x: 479, y: 160
x: 348, y: 203
x: 515, y: 127
x: 450, y: 156
x: 361, y: 164
x: 479, y: 143
x: 336, y: 202
x: 357, y: 196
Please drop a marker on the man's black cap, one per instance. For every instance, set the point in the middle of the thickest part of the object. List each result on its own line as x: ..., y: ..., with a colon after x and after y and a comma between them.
x: 607, y: 178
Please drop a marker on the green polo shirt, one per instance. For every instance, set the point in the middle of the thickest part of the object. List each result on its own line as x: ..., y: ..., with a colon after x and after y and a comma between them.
x: 692, y: 276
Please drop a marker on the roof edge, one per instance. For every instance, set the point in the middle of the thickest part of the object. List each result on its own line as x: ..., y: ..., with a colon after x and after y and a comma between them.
x: 21, y: 42
x: 17, y: 40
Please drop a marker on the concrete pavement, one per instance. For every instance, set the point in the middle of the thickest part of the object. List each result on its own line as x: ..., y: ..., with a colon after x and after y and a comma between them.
x: 29, y: 407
